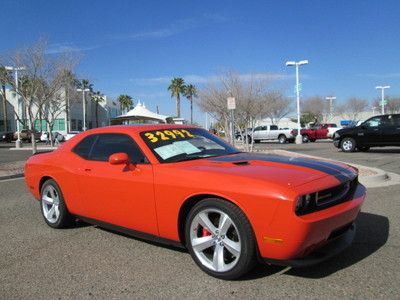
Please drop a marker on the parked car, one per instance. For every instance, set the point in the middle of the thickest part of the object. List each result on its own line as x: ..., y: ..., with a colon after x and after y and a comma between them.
x: 56, y: 136
x: 25, y: 135
x: 186, y: 187
x: 317, y: 132
x: 271, y: 132
x: 7, y: 137
x: 378, y: 131
x: 71, y: 134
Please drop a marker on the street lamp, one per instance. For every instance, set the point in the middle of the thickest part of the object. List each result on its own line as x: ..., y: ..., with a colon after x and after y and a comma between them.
x: 297, y: 64
x: 18, y: 143
x: 330, y: 99
x: 382, y: 88
x: 84, y: 106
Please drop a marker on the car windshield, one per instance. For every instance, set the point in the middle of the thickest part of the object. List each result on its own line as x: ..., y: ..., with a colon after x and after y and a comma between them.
x: 182, y: 144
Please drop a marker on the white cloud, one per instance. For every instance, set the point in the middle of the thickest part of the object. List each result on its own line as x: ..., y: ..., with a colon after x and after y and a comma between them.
x: 199, y: 79
x: 174, y: 28
x: 374, y: 75
x: 67, y: 47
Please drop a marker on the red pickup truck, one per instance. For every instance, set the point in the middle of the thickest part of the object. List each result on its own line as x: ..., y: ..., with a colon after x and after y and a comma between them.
x: 316, y: 132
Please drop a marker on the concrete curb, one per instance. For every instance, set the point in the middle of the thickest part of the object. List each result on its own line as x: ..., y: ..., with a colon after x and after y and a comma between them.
x: 13, y: 176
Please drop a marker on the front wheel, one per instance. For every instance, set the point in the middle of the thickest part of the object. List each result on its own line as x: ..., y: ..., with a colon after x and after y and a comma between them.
x: 305, y: 138
x: 220, y: 239
x: 53, y: 207
x: 348, y: 144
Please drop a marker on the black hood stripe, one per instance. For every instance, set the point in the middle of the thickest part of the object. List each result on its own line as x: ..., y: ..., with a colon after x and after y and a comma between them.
x: 342, y: 174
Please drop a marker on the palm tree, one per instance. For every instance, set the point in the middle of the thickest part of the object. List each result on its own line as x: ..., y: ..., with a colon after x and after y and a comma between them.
x: 177, y: 88
x: 97, y: 98
x: 190, y: 92
x: 4, y: 79
x: 125, y: 102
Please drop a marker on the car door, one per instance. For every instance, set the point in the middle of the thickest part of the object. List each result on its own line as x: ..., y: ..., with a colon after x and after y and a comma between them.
x: 259, y: 132
x: 122, y: 195
x: 273, y: 132
x: 391, y: 130
x: 371, y: 132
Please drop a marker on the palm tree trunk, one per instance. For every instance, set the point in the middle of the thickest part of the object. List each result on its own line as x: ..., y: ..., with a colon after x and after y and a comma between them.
x: 97, y: 117
x: 178, y: 106
x: 4, y: 107
x: 191, y: 110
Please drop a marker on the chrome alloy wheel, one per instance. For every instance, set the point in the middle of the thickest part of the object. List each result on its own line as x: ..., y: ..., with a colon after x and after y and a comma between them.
x: 215, y: 240
x: 347, y: 145
x: 50, y: 204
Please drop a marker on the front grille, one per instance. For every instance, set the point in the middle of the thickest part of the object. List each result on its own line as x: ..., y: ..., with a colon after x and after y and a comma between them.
x: 329, y: 197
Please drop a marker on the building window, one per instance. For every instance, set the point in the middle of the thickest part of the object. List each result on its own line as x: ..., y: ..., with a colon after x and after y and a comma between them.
x: 59, y: 124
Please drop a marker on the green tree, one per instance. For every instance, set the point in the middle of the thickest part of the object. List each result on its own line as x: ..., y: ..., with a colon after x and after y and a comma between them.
x: 97, y: 98
x: 190, y: 92
x: 125, y: 102
x: 5, y: 78
x: 176, y: 88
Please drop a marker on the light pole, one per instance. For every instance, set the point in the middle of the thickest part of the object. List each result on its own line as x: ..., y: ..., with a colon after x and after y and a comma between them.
x: 18, y: 143
x: 84, y: 106
x: 299, y: 139
x: 382, y: 88
x: 330, y: 99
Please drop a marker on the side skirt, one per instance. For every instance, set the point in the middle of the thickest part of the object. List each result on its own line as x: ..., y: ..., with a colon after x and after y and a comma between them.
x: 133, y: 233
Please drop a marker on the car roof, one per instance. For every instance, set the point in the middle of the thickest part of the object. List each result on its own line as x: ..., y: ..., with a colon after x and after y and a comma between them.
x: 137, y: 128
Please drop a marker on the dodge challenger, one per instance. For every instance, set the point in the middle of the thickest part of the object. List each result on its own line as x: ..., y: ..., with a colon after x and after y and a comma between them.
x: 183, y: 186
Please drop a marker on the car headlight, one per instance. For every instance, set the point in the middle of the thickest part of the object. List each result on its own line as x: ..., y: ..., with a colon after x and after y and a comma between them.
x: 305, y: 203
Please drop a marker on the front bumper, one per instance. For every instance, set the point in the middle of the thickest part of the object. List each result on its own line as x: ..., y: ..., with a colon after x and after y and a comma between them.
x: 332, y: 248
x: 291, y: 238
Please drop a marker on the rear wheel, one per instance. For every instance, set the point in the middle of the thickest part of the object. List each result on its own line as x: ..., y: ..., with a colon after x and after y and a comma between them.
x: 348, y: 144
x: 282, y: 139
x: 220, y: 239
x: 305, y: 138
x: 257, y: 141
x: 53, y: 207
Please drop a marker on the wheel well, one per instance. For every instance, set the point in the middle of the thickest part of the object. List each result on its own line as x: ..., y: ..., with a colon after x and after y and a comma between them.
x: 281, y: 135
x: 185, y: 209
x: 42, y: 181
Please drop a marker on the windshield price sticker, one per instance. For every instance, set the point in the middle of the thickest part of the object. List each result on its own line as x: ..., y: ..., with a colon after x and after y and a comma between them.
x: 165, y: 135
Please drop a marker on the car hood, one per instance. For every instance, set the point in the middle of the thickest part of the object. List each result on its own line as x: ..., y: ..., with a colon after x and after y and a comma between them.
x: 277, y: 169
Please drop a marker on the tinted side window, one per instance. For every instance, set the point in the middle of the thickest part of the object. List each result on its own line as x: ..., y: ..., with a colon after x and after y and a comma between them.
x: 257, y: 128
x: 374, y: 122
x: 273, y: 127
x: 393, y: 120
x: 83, y: 148
x: 110, y: 143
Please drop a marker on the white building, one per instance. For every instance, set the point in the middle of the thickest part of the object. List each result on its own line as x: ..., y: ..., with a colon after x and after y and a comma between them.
x: 105, y: 110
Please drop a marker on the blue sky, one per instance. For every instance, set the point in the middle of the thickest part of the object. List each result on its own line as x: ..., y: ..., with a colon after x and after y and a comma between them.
x: 136, y: 47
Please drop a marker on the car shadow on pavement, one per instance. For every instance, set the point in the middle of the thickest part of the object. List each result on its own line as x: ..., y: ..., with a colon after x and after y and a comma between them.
x: 384, y: 150
x: 372, y: 234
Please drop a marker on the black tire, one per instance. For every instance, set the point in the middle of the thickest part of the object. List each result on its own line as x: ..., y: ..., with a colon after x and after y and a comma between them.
x: 282, y: 139
x: 246, y: 261
x: 312, y: 140
x: 65, y: 219
x: 305, y: 139
x: 348, y: 144
x: 257, y: 141
x: 363, y: 149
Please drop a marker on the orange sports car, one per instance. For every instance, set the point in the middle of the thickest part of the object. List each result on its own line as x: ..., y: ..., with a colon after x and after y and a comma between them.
x: 184, y: 186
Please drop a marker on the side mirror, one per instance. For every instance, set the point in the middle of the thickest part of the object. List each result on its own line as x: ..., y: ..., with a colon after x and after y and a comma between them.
x: 119, y: 159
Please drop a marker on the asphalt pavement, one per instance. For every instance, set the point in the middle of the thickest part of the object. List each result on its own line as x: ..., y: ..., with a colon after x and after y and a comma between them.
x: 90, y: 262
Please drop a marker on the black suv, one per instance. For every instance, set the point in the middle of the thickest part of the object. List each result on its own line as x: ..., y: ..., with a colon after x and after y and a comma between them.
x: 378, y: 131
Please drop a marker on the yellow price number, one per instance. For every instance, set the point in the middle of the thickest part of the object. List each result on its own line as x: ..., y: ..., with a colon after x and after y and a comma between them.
x: 165, y: 135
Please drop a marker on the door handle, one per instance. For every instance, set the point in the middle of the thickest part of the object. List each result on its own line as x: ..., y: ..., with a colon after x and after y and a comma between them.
x: 84, y: 169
